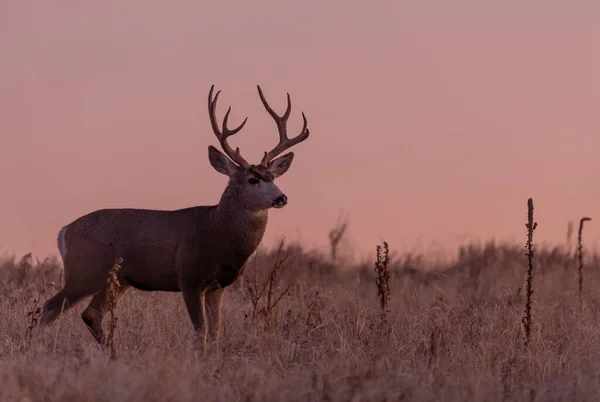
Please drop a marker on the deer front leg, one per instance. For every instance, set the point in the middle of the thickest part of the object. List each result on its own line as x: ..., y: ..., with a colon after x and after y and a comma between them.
x: 194, y: 299
x: 214, y: 303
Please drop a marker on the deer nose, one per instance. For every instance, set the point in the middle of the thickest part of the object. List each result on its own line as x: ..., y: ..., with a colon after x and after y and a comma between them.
x: 281, y: 200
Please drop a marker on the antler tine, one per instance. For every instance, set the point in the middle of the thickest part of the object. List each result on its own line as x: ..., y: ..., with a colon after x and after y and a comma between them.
x: 223, y: 135
x: 281, y: 121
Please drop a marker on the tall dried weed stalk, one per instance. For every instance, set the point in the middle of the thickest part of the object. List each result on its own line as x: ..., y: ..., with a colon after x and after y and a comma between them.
x: 112, y: 290
x: 580, y: 256
x: 266, y: 294
x: 336, y: 235
x: 34, y: 316
x: 530, y: 225
x: 569, y: 234
x: 383, y: 276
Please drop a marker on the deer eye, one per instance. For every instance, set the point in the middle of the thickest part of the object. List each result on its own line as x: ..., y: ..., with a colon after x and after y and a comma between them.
x: 253, y: 180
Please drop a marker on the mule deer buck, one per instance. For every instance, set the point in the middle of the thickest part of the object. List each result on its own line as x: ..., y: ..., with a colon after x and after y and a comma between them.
x: 198, y: 251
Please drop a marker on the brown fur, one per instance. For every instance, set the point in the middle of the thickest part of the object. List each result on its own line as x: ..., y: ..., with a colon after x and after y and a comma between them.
x: 198, y: 251
x: 261, y: 172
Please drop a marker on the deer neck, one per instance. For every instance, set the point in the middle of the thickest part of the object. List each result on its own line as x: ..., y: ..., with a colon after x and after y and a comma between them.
x: 242, y: 227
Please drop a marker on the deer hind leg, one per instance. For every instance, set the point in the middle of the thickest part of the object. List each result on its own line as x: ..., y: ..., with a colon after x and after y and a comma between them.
x: 65, y: 299
x: 214, y: 303
x: 94, y: 314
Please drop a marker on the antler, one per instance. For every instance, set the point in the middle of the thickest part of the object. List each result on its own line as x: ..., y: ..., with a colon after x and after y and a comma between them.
x: 281, y: 121
x: 222, y: 136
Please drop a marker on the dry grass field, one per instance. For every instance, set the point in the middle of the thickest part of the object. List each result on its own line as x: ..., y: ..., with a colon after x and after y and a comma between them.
x: 452, y: 332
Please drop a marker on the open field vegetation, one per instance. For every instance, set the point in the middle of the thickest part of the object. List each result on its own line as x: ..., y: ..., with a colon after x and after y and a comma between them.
x: 315, y: 330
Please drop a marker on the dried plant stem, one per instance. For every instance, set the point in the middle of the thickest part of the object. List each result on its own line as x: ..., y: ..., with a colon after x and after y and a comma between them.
x: 580, y: 257
x: 335, y: 237
x: 383, y: 276
x: 112, y: 291
x: 34, y: 318
x: 530, y: 225
x: 312, y: 308
x: 256, y: 295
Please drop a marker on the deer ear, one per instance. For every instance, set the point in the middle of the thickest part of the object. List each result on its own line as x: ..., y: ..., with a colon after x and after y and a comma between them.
x: 279, y: 166
x: 220, y: 162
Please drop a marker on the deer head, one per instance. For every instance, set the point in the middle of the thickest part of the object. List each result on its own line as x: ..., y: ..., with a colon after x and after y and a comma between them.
x: 253, y: 185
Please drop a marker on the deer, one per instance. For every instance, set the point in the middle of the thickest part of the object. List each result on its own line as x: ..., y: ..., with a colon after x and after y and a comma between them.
x: 198, y: 251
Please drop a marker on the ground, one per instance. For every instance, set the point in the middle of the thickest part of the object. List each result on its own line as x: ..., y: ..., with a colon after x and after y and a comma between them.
x: 452, y: 332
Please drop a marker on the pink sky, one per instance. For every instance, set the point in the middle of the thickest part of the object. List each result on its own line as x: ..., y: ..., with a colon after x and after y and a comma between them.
x: 431, y: 122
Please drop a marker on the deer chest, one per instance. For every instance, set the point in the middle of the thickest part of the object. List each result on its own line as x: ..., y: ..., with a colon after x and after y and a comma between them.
x: 227, y: 274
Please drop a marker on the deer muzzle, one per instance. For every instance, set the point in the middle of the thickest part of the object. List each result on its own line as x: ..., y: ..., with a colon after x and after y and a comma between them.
x: 280, y: 201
